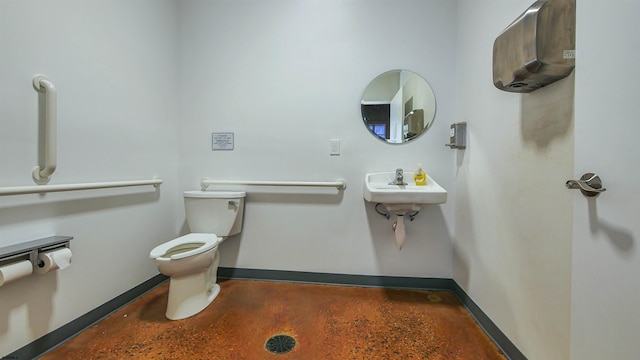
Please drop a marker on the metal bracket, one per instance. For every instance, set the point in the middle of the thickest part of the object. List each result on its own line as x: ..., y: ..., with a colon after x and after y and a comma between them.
x: 30, y: 250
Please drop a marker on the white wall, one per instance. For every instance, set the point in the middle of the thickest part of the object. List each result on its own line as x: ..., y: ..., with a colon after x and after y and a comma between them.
x: 287, y: 76
x: 114, y: 65
x: 513, y: 228
x: 284, y: 76
x: 605, y: 320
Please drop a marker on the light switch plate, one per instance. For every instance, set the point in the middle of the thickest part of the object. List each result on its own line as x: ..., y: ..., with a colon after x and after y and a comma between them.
x: 334, y: 147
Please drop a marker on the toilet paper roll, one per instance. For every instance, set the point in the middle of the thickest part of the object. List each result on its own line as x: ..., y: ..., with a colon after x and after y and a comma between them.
x: 15, y: 271
x: 53, y: 260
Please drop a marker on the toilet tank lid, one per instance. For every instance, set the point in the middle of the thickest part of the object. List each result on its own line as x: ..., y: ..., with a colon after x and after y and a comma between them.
x: 215, y: 194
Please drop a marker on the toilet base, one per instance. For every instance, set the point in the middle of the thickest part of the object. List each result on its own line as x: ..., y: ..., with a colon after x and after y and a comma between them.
x: 189, y: 294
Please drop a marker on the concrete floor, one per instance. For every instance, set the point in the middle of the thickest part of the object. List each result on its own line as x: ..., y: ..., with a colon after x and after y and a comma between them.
x: 326, y: 322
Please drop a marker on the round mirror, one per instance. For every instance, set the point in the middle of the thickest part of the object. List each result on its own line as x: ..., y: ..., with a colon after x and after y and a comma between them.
x: 398, y: 106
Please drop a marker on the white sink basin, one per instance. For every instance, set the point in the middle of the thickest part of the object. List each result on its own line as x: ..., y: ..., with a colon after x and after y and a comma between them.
x: 402, y: 198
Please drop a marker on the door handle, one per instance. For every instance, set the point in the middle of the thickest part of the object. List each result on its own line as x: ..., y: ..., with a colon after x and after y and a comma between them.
x: 589, y: 184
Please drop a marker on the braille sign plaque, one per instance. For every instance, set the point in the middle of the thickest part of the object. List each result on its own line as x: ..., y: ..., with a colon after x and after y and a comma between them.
x: 222, y: 141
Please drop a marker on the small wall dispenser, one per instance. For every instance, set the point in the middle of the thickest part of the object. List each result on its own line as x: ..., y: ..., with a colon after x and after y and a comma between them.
x: 458, y: 136
x: 537, y: 48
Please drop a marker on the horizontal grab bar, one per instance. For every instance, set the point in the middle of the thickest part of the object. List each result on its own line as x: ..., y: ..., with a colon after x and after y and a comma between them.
x: 22, y: 190
x: 340, y: 184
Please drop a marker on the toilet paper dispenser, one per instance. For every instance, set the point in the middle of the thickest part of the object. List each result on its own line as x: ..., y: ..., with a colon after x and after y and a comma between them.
x: 31, y: 249
x: 537, y: 48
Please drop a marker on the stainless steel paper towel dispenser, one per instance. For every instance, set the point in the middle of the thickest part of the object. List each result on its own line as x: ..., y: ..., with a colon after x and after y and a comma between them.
x: 537, y: 48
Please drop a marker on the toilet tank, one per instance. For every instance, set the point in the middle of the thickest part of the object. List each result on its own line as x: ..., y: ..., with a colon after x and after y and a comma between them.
x: 214, y: 212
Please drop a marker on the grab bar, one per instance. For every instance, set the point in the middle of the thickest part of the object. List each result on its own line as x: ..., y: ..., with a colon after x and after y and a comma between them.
x: 340, y: 184
x: 22, y: 190
x: 42, y: 173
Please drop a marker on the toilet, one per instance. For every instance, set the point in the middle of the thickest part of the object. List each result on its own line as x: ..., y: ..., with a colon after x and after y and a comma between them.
x: 191, y: 261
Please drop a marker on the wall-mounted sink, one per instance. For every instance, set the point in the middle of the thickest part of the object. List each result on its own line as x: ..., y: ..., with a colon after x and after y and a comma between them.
x: 402, y: 198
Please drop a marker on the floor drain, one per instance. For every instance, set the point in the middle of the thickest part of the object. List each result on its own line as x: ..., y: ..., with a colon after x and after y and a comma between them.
x: 280, y: 344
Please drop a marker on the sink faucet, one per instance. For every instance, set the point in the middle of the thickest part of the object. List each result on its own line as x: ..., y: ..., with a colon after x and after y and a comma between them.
x: 399, y: 180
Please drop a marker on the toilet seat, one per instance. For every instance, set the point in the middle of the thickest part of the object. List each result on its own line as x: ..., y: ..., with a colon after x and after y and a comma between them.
x: 208, y: 241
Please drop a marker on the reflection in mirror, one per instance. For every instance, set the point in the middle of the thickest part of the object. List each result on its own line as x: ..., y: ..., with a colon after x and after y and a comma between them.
x: 398, y: 106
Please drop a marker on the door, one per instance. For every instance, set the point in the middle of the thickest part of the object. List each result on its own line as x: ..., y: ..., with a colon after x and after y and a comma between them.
x: 605, y: 311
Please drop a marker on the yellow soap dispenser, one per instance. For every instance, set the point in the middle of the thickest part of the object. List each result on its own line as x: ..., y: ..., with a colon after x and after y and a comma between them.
x: 419, y: 176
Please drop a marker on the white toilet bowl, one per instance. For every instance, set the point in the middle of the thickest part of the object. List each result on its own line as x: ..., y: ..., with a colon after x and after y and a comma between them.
x: 191, y: 262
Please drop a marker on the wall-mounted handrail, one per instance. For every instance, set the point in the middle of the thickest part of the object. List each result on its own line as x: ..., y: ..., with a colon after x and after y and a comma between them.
x: 42, y: 173
x: 22, y: 190
x: 340, y: 184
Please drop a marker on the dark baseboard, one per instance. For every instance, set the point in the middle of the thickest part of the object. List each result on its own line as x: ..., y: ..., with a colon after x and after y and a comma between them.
x: 489, y: 327
x: 50, y: 341
x: 336, y: 279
